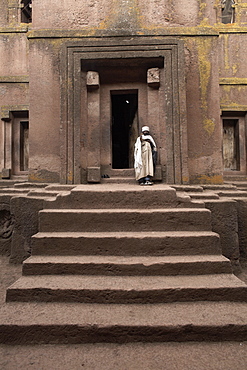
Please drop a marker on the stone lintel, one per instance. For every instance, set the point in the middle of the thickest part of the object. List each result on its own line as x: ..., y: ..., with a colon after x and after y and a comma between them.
x: 6, y: 109
x: 234, y: 107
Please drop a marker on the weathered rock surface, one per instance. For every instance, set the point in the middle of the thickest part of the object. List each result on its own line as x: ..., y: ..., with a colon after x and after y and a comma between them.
x: 150, y: 272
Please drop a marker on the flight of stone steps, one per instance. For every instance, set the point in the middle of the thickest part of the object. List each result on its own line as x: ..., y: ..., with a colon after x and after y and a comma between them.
x: 123, y: 264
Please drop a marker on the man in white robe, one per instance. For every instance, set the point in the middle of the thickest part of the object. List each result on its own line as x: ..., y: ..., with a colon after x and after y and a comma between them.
x: 143, y: 155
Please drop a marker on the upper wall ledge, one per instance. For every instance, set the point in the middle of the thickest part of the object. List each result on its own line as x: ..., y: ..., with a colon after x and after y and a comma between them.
x: 18, y: 29
x: 95, y: 32
x: 174, y: 31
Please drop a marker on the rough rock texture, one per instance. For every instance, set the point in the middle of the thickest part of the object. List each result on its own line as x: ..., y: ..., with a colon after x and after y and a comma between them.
x: 26, y: 224
x: 225, y: 223
x: 241, y: 204
x: 133, y: 288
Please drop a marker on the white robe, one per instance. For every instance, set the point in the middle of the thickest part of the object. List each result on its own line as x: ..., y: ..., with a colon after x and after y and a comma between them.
x: 143, y: 157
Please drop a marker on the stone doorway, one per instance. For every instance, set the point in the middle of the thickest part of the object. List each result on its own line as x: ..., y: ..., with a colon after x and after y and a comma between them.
x: 97, y: 75
x: 234, y: 144
x: 124, y: 107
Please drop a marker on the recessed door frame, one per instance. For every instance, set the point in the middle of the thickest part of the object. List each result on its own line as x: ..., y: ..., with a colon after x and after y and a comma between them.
x: 74, y: 129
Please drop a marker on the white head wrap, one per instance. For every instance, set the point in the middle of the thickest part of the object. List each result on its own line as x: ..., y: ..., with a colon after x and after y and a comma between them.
x: 145, y: 128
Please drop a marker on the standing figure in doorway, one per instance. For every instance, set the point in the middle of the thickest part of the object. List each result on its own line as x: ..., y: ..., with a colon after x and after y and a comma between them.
x: 145, y: 155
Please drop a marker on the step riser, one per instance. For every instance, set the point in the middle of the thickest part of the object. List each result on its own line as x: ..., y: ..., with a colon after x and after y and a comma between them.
x: 78, y: 334
x: 139, y: 198
x: 118, y: 180
x: 129, y: 270
x: 169, y: 295
x: 120, y: 246
x: 121, y: 221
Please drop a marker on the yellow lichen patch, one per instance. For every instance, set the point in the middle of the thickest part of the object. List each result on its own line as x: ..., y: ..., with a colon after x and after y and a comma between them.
x: 33, y: 178
x: 208, y: 125
x: 204, y: 46
x: 241, y: 88
x: 227, y: 88
x: 185, y: 180
x: 216, y: 179
x: 205, y: 23
x: 56, y: 43
x: 226, y: 50
x: 70, y: 177
x: 202, y: 6
x: 233, y: 81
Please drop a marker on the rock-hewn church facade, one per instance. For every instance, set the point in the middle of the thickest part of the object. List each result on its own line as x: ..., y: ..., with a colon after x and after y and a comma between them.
x: 78, y: 79
x: 105, y: 260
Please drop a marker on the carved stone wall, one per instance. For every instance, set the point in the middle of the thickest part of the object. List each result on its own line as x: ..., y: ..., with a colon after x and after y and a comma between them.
x: 80, y: 135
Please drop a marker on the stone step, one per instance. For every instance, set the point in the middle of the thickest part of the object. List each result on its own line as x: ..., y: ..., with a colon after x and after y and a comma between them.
x: 9, y: 183
x: 15, y: 191
x: 126, y: 243
x: 219, y: 187
x: 30, y: 185
x: 234, y: 178
x: 75, y: 323
x: 242, y: 188
x: 92, y: 220
x: 127, y: 289
x: 126, y: 265
x: 232, y: 194
x: 185, y: 201
x: 59, y: 187
x: 119, y: 172
x: 118, y: 196
x: 118, y: 180
x: 241, y: 183
x: 204, y: 195
x: 188, y: 188
x: 42, y: 193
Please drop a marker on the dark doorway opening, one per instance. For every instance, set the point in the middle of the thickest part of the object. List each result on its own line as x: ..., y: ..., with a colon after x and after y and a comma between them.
x: 24, y: 145
x: 231, y: 155
x: 124, y: 127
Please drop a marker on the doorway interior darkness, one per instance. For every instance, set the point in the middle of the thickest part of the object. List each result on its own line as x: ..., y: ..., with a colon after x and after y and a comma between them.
x: 124, y: 127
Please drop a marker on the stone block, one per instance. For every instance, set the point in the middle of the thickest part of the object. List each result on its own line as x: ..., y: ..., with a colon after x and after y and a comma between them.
x: 158, y: 173
x: 6, y: 173
x: 93, y: 80
x: 242, y: 225
x: 225, y: 223
x: 6, y: 224
x: 93, y: 174
x: 153, y: 77
x: 26, y: 214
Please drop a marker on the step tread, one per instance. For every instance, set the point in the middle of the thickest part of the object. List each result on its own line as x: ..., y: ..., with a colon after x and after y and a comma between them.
x: 126, y: 283
x: 229, y: 193
x: 126, y: 210
x: 48, y: 193
x: 128, y: 260
x: 203, y: 195
x: 119, y: 234
x: 135, y: 315
x: 121, y: 187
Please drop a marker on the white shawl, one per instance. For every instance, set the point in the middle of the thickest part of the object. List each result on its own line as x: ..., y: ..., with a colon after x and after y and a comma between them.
x: 138, y: 152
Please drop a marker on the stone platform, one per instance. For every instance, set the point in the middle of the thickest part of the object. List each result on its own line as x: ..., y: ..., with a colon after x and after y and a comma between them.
x: 122, y: 263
